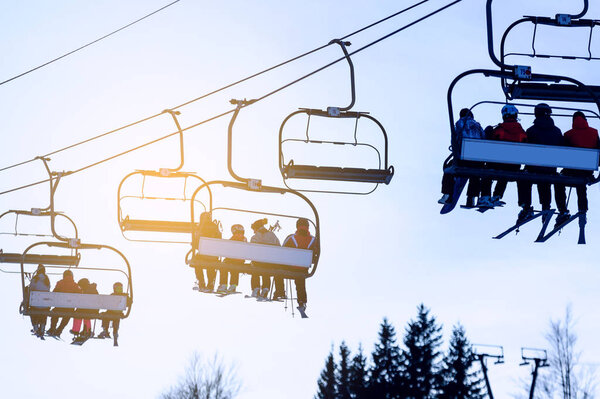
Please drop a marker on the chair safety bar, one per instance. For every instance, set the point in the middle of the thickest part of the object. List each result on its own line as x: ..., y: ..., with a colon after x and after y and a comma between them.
x: 551, y: 92
x: 294, y: 257
x: 80, y: 301
x: 530, y: 154
x: 39, y: 302
x: 378, y: 176
x: 523, y: 175
x: 288, y: 272
x: 34, y: 259
x: 157, y: 225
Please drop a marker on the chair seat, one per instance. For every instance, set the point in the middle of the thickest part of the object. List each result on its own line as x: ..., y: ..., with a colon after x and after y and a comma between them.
x: 341, y: 174
x: 158, y: 225
x: 552, y: 92
x: 34, y: 259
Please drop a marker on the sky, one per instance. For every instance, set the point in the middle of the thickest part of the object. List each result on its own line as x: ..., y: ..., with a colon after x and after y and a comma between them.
x: 382, y: 254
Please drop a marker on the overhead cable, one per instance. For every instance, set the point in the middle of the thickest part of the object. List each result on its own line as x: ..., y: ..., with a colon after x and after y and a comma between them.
x: 219, y: 89
x: 249, y: 104
x: 88, y: 44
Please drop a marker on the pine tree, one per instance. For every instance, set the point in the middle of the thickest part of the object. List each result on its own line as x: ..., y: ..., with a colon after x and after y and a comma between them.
x: 343, y: 373
x: 456, y: 379
x: 326, y: 383
x: 386, y: 365
x: 420, y: 378
x: 358, y: 376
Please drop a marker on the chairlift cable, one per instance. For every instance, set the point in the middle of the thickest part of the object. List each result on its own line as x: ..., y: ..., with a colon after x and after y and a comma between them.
x: 217, y: 90
x: 233, y: 110
x: 88, y: 44
x: 358, y: 50
x: 383, y: 20
x: 299, y: 56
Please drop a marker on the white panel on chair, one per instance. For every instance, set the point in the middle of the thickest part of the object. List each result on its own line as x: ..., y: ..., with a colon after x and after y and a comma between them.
x: 255, y: 252
x: 43, y: 299
x: 529, y: 154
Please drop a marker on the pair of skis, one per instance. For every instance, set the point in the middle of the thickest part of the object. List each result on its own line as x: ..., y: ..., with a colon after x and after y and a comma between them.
x: 217, y: 293
x: 546, y: 216
x: 301, y: 310
x: 80, y: 339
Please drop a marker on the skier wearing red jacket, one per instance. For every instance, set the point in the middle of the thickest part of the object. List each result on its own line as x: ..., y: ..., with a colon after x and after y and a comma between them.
x: 581, y: 135
x: 67, y: 284
x: 509, y: 130
x: 304, y: 240
x: 237, y: 231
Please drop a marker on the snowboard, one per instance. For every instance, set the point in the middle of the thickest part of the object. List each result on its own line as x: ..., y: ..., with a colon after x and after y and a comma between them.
x: 459, y: 186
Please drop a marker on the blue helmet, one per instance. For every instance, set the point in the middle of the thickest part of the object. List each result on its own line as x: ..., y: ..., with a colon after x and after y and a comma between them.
x: 509, y: 109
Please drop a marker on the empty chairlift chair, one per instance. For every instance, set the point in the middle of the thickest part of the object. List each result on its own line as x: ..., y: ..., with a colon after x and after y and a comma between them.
x: 290, y: 169
x: 517, y: 88
x: 47, y: 213
x: 33, y: 259
x: 127, y: 204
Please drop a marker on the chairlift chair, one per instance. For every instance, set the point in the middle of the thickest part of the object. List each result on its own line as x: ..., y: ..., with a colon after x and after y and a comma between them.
x: 17, y: 258
x: 46, y: 212
x: 522, y: 89
x: 492, y: 151
x: 381, y: 174
x: 289, y: 263
x: 520, y: 153
x: 39, y: 302
x: 128, y: 223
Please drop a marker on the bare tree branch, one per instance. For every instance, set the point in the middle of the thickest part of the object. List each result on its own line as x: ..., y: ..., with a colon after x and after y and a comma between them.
x: 206, y: 379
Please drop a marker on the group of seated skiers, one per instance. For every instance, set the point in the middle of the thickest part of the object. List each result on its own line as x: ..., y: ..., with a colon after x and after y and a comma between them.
x: 260, y: 283
x: 41, y: 282
x: 543, y: 131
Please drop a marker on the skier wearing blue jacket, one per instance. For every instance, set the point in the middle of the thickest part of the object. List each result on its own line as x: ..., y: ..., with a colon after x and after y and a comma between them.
x: 39, y: 282
x: 466, y: 127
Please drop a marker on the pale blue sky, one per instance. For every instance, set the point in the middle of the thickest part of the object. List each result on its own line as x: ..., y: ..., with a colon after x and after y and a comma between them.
x: 382, y: 254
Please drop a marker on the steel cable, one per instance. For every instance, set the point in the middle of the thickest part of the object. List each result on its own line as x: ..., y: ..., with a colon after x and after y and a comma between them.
x: 253, y: 102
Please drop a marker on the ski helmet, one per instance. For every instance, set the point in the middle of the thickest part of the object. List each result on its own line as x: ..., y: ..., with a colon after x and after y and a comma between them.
x: 509, y: 109
x: 237, y: 228
x: 542, y: 109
